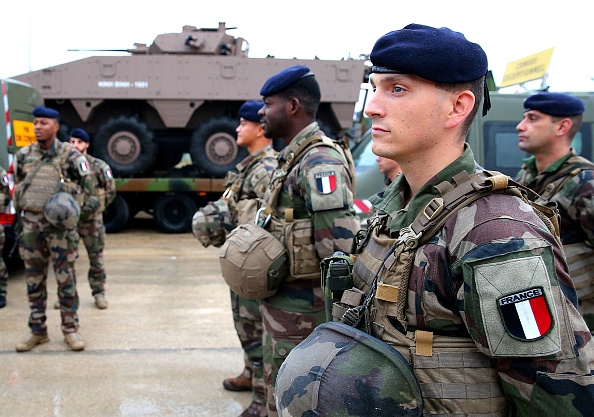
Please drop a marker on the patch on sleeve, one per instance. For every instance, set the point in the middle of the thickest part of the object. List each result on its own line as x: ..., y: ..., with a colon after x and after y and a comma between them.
x: 108, y: 173
x: 326, y: 187
x: 83, y: 166
x: 526, y: 314
x: 517, y: 306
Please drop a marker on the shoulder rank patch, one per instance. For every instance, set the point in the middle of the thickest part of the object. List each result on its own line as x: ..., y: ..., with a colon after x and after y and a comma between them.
x: 326, y: 182
x: 526, y: 314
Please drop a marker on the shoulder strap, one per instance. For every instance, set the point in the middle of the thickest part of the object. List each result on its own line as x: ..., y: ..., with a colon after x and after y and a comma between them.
x: 291, y: 160
x: 466, y: 189
x: 574, y: 165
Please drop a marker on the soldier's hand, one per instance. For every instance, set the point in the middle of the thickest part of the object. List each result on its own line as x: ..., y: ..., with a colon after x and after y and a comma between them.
x: 89, y: 208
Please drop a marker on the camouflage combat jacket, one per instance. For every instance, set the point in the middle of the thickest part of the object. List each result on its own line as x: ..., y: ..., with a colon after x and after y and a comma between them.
x: 249, y: 183
x: 74, y: 172
x: 575, y: 199
x: 469, y: 282
x: 103, y: 184
x: 319, y: 187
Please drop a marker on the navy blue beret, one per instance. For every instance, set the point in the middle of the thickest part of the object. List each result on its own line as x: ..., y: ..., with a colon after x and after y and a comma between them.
x: 438, y: 55
x: 42, y: 111
x: 249, y: 110
x: 284, y: 79
x: 555, y: 104
x: 80, y: 134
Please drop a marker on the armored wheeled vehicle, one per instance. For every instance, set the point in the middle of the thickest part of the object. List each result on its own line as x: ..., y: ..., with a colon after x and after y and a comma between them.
x: 149, y: 109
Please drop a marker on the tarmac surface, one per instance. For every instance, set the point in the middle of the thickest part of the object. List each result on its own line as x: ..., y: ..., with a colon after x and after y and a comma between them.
x: 161, y: 348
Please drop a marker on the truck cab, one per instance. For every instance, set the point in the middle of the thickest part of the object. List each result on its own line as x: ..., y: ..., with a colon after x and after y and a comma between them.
x: 18, y: 101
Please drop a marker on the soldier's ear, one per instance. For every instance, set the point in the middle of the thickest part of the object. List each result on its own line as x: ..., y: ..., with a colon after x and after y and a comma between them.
x: 563, y: 126
x: 460, y: 105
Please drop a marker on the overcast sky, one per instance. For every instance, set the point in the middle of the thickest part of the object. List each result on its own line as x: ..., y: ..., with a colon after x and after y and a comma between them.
x: 37, y: 34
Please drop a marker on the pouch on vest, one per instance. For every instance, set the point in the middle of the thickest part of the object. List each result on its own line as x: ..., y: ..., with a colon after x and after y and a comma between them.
x: 253, y: 262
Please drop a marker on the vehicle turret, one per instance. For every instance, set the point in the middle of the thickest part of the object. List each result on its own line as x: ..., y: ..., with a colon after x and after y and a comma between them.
x: 193, y: 40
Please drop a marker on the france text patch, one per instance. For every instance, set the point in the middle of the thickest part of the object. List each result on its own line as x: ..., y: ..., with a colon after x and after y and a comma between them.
x: 326, y: 182
x: 525, y: 314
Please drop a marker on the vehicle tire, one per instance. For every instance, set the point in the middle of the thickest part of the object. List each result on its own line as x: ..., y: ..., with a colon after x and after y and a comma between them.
x: 213, y: 147
x: 116, y: 215
x: 127, y: 145
x: 173, y: 213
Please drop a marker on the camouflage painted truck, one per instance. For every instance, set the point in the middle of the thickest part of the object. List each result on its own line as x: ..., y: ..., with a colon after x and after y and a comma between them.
x: 179, y: 96
x: 18, y: 101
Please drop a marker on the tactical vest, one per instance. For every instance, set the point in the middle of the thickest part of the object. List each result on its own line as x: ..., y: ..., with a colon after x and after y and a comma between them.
x: 579, y: 256
x: 44, y: 178
x: 451, y: 371
x: 242, y: 210
x: 297, y: 235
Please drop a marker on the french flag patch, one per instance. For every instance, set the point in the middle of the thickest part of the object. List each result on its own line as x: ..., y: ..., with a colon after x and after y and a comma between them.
x: 326, y: 182
x: 526, y: 314
x: 84, y: 166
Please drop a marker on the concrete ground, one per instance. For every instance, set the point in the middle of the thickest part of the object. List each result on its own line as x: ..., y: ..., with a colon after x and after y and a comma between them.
x: 161, y: 348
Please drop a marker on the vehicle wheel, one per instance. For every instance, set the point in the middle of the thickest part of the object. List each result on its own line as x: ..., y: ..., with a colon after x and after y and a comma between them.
x: 213, y: 147
x: 127, y: 145
x: 173, y: 213
x: 116, y: 215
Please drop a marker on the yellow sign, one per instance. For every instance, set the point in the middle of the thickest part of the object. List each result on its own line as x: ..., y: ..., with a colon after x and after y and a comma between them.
x: 24, y: 133
x: 526, y: 69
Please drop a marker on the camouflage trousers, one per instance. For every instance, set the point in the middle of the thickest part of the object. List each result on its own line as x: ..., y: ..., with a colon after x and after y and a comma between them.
x: 248, y: 325
x: 3, y: 270
x: 92, y: 233
x: 288, y: 317
x: 41, y: 243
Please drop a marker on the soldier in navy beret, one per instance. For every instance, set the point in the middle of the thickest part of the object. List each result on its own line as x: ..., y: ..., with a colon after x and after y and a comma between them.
x: 80, y: 134
x: 555, y: 104
x: 556, y: 172
x: 313, y: 186
x: 249, y: 110
x: 284, y: 79
x: 453, y: 280
x: 42, y: 111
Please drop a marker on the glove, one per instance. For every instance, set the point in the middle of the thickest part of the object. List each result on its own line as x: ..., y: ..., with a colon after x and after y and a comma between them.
x: 89, y: 208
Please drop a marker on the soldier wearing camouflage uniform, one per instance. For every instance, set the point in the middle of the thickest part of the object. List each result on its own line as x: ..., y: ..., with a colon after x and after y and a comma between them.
x: 313, y: 186
x: 4, y: 200
x: 483, y: 309
x: 243, y: 188
x: 49, y: 231
x: 557, y: 173
x: 92, y: 230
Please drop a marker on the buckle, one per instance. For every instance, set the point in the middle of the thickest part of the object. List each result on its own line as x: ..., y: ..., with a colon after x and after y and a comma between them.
x: 408, y: 237
x: 262, y: 221
x: 353, y: 316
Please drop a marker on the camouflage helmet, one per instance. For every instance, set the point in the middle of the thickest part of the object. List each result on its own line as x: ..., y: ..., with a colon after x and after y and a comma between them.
x: 210, y: 223
x: 341, y: 371
x: 62, y: 211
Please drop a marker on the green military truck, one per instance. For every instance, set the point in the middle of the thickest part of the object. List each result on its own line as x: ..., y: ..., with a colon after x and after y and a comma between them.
x: 493, y: 140
x: 18, y: 101
x: 164, y: 115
